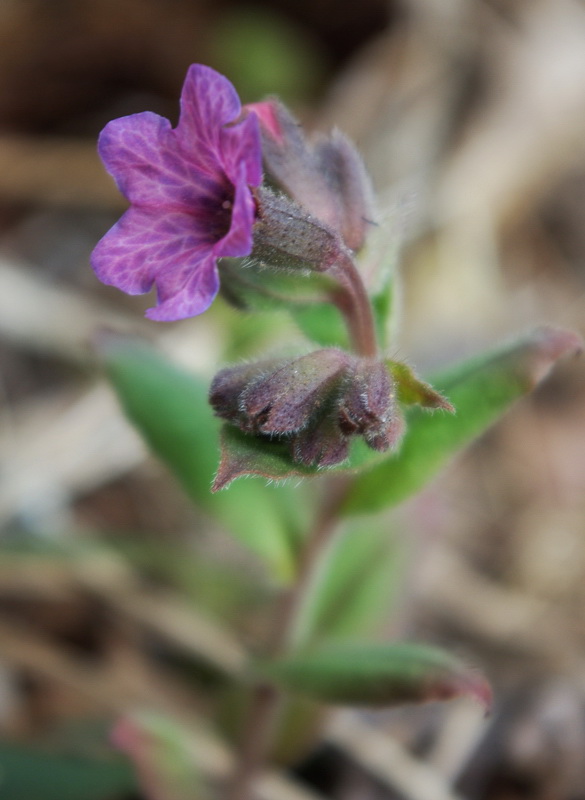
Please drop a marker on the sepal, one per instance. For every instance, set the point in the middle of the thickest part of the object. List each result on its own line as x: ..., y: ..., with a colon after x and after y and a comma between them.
x: 278, y: 397
x: 242, y: 454
x: 288, y: 238
x: 368, y: 407
x: 412, y: 390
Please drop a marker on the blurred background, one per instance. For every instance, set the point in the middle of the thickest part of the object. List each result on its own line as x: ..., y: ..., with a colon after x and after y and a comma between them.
x: 470, y: 115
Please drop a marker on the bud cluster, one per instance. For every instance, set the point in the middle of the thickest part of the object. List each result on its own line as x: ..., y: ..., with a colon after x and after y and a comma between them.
x: 314, y: 402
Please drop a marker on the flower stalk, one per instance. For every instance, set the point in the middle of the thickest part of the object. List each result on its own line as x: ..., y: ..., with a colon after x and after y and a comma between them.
x: 354, y: 304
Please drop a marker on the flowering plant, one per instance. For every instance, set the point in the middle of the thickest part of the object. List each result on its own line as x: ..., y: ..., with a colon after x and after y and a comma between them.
x: 364, y: 427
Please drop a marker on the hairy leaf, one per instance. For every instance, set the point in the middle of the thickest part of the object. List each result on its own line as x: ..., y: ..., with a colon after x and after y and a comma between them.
x: 411, y: 390
x: 245, y: 454
x: 252, y: 288
x: 323, y: 324
x: 481, y: 390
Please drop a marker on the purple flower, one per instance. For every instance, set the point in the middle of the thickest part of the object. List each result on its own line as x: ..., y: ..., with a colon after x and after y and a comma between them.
x: 190, y: 195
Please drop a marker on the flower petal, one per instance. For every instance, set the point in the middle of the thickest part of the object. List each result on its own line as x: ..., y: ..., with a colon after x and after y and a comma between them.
x: 187, y: 292
x: 208, y: 102
x: 190, y: 193
x: 238, y: 240
x: 142, y: 154
x: 146, y: 248
x: 241, y: 145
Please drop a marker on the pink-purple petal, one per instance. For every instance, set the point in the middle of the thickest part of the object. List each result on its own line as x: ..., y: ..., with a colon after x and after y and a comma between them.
x: 241, y: 145
x: 267, y: 114
x: 208, y: 102
x: 238, y: 240
x: 190, y: 196
x: 144, y: 246
x: 187, y: 292
x: 141, y: 153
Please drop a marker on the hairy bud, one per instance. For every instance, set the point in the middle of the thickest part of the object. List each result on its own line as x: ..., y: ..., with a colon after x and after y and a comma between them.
x: 229, y: 384
x: 368, y: 407
x: 326, y: 178
x: 344, y: 173
x: 315, y: 403
x: 281, y: 397
x: 287, y: 238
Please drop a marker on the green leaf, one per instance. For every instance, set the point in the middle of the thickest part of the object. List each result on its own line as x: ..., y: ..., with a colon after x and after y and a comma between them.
x: 378, y: 675
x: 245, y: 454
x: 248, y: 454
x: 254, y: 288
x: 353, y: 586
x: 170, y: 409
x: 29, y: 773
x: 481, y: 390
x: 323, y: 324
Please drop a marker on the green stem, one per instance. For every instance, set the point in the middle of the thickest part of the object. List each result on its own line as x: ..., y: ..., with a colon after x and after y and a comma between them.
x: 266, y: 700
x: 353, y: 302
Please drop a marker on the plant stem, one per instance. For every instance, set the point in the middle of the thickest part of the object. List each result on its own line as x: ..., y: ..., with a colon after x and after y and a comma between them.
x: 266, y: 699
x: 353, y: 302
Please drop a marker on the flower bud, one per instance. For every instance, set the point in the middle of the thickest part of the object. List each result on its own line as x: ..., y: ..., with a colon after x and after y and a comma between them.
x: 290, y: 160
x: 322, y: 443
x: 287, y: 238
x: 368, y: 406
x: 288, y: 399
x: 279, y: 397
x: 314, y: 404
x: 228, y: 385
x: 349, y: 183
x: 328, y: 179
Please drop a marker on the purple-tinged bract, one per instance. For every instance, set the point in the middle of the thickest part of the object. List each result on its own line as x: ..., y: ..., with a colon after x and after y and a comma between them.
x: 190, y: 193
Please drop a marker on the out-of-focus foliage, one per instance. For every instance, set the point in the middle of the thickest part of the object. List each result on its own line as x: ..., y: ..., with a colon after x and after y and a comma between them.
x: 378, y: 675
x: 267, y: 54
x: 38, y: 774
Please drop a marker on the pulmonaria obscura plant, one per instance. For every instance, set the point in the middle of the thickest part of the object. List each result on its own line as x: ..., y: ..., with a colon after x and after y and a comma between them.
x: 238, y: 197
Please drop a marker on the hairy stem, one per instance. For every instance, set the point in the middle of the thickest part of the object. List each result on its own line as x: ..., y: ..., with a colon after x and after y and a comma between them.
x: 266, y: 699
x: 353, y: 302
